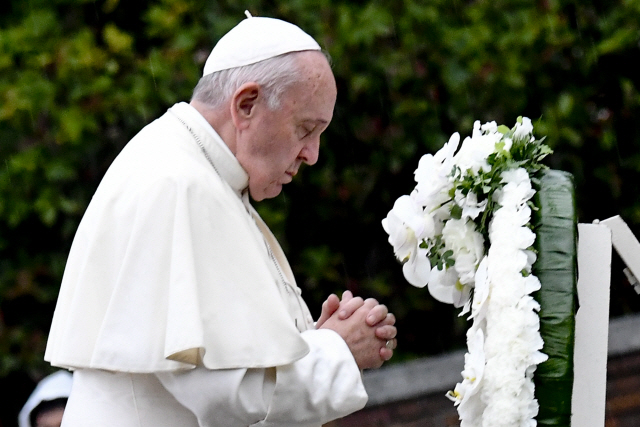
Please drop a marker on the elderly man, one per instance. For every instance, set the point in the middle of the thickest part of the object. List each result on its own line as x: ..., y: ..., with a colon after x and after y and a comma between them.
x: 178, y: 306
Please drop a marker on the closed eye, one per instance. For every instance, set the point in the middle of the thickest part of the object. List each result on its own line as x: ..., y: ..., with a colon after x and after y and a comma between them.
x: 305, y: 132
x: 308, y: 128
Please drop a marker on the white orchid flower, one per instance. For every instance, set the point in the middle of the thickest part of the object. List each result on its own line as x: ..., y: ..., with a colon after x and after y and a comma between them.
x: 417, y: 270
x: 469, y: 204
x: 440, y: 164
x: 489, y: 127
x: 432, y: 175
x: 466, y: 394
x: 480, y: 292
x: 523, y: 130
x: 474, y: 151
x: 445, y: 154
x: 445, y: 287
x: 407, y: 225
x: 461, y: 237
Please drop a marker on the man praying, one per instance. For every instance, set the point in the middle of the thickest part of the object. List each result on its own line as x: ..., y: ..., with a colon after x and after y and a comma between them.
x: 178, y: 306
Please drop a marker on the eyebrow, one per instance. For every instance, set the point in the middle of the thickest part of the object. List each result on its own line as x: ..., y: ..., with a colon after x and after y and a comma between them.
x: 316, y: 121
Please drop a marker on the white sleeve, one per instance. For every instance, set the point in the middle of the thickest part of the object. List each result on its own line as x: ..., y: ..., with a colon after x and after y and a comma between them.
x: 324, y: 385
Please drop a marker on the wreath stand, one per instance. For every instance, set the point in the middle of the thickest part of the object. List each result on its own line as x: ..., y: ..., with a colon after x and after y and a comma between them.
x: 592, y: 318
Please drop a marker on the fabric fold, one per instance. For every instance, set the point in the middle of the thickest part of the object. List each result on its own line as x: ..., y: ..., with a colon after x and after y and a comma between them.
x: 178, y: 256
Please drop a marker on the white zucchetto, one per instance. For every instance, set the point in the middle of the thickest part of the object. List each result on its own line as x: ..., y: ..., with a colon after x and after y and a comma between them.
x: 256, y: 39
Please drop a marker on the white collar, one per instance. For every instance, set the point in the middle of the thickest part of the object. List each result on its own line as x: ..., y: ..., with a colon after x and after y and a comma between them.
x: 215, y: 148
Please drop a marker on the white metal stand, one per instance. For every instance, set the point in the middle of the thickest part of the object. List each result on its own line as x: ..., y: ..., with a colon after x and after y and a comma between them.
x: 592, y: 326
x: 592, y: 319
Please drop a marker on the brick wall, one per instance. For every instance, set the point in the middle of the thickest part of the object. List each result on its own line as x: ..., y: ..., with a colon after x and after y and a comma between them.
x: 623, y: 391
x: 435, y: 410
x: 430, y: 411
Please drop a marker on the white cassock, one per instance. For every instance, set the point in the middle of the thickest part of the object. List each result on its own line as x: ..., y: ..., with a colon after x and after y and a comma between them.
x: 177, y: 305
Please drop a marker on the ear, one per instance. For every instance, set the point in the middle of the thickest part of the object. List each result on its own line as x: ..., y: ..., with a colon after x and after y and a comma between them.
x: 244, y: 103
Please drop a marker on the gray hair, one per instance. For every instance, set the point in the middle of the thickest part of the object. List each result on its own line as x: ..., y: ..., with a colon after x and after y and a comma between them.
x: 274, y: 75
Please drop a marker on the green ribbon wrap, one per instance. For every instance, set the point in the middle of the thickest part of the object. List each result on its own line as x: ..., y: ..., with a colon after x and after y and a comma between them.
x: 555, y: 226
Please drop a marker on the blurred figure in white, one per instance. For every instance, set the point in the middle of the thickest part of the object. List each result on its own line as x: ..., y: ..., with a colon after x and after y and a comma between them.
x: 45, y: 406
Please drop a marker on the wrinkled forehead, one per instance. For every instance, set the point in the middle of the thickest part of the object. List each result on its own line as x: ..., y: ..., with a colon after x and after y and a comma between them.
x: 311, y: 101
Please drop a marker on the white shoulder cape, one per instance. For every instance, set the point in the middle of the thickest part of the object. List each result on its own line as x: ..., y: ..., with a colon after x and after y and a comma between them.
x: 168, y: 269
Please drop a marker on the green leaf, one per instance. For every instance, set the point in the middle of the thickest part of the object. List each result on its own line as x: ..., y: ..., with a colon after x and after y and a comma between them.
x: 618, y: 41
x: 117, y: 40
x: 503, y: 129
x: 456, y: 212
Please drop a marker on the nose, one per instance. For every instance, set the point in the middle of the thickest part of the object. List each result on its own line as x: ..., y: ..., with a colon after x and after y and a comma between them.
x: 310, y: 152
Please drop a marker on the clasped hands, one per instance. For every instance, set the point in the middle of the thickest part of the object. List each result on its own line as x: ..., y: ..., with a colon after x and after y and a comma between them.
x: 365, y: 325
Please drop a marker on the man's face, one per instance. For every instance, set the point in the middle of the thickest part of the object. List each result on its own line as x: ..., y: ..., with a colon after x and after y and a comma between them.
x: 277, y: 142
x: 50, y: 418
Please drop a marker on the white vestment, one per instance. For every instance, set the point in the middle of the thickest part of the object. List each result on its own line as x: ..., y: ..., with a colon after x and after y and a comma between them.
x: 176, y: 291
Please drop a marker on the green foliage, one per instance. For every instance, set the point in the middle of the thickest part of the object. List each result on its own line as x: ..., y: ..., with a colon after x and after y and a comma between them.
x: 78, y: 78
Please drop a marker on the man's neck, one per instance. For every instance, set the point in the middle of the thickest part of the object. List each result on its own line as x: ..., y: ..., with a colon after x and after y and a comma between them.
x: 220, y: 120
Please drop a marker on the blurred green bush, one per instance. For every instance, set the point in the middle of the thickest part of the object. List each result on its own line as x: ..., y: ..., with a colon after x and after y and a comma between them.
x: 78, y: 78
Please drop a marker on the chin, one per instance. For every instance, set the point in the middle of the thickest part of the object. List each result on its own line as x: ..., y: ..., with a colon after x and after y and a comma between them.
x: 268, y: 193
x: 273, y: 194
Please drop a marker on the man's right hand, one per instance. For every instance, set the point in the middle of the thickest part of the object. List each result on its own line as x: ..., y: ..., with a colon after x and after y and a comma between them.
x: 346, y: 307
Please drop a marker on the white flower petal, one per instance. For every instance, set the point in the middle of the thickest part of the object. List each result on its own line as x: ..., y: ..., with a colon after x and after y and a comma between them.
x: 489, y: 127
x: 523, y: 130
x: 442, y: 285
x: 418, y: 269
x: 480, y: 292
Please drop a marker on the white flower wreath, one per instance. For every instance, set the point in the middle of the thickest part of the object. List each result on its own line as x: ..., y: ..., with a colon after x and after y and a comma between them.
x: 465, y: 232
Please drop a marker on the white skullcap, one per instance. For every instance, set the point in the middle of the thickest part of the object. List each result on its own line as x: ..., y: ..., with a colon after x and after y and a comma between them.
x: 256, y: 39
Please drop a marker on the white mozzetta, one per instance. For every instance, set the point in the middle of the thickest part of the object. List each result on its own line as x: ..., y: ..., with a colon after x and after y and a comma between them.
x: 171, y: 246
